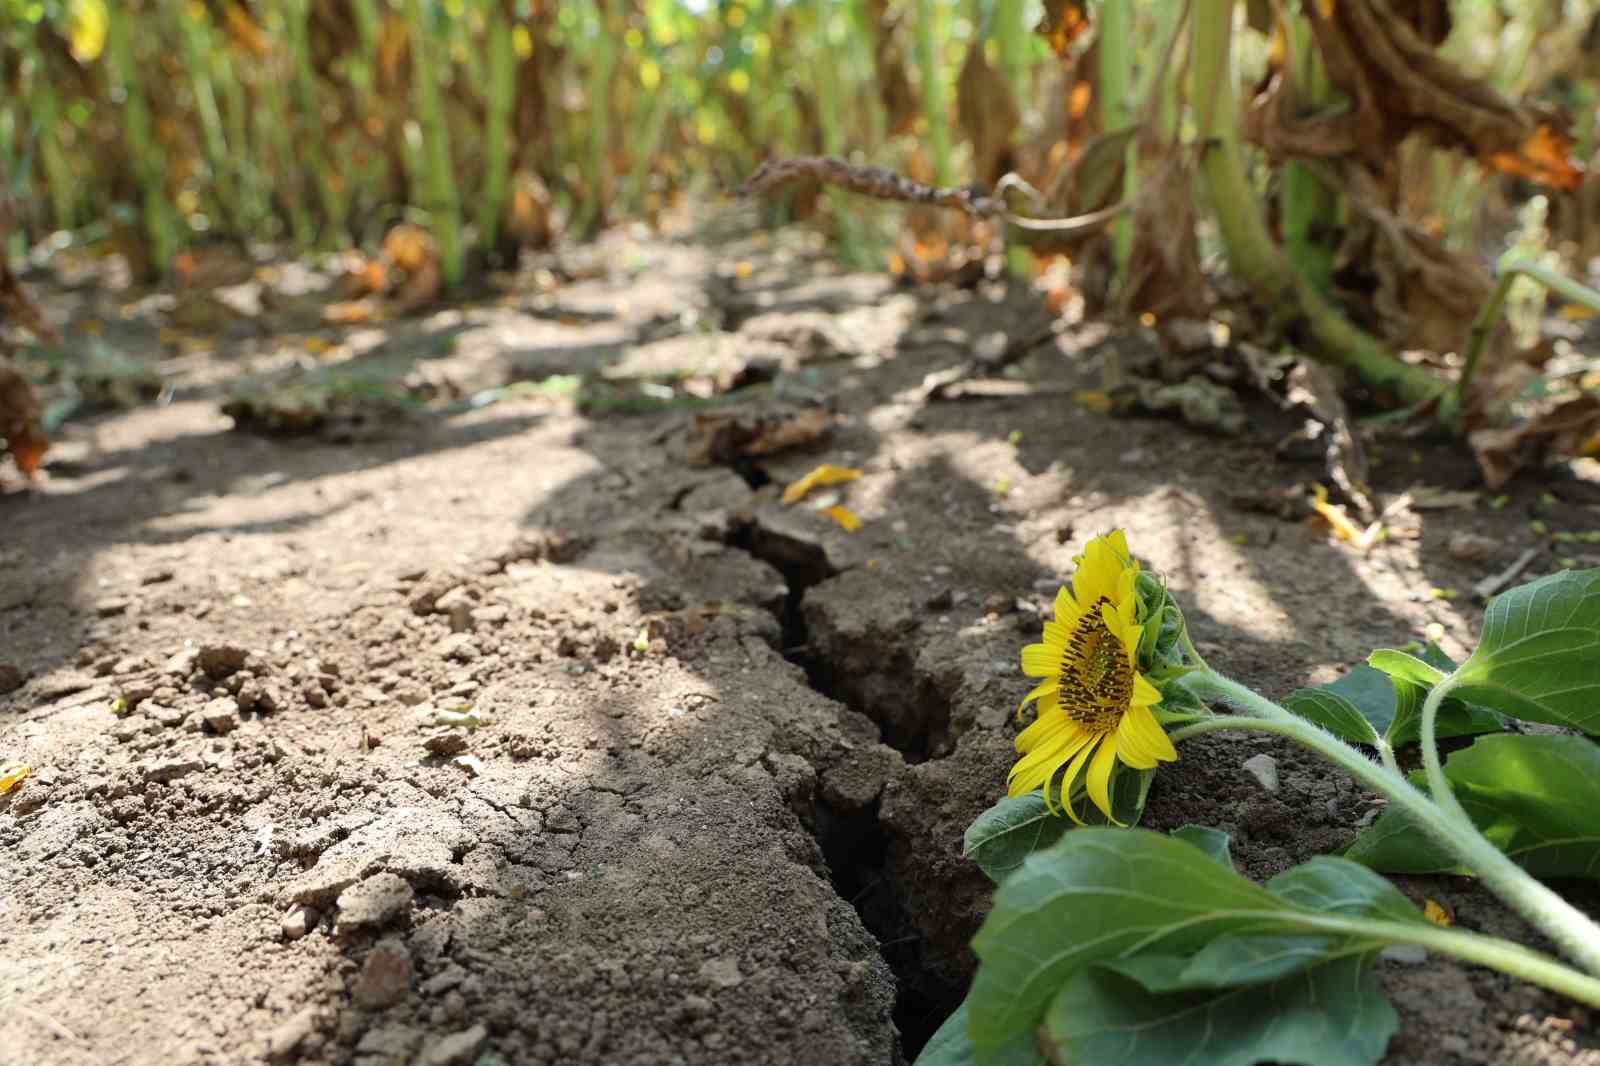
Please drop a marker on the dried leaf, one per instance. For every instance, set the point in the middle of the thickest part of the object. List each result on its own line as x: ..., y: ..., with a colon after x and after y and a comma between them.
x: 352, y: 312
x: 1545, y: 157
x: 409, y: 247
x: 729, y: 435
x: 21, y: 432
x: 1343, y: 528
x: 988, y: 114
x: 826, y: 474
x: 841, y: 514
x: 1569, y: 430
x: 1436, y: 912
x: 12, y: 776
x: 1431, y: 498
x: 1063, y: 22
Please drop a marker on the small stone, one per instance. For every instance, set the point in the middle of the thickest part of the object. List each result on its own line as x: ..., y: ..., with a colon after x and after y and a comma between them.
x: 167, y: 717
x: 696, y: 1006
x: 11, y: 678
x: 373, y: 903
x: 942, y: 600
x: 389, y: 1043
x: 457, y: 1049
x: 724, y: 973
x: 157, y: 576
x: 1471, y: 547
x: 286, y: 1039
x: 298, y: 922
x: 447, y: 743
x: 181, y: 664
x: 112, y: 606
x: 172, y: 768
x: 493, y: 614
x: 135, y: 691
x: 1404, y: 954
x: 461, y: 647
x: 1264, y: 768
x: 221, y: 660
x: 385, y: 977
x: 457, y: 605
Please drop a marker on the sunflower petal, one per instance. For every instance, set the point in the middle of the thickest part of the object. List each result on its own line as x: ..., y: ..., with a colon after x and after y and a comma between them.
x: 1040, y: 765
x: 1042, y: 660
x: 1144, y: 693
x: 1099, y: 782
x: 1041, y: 690
x: 1140, y: 723
x: 1071, y: 775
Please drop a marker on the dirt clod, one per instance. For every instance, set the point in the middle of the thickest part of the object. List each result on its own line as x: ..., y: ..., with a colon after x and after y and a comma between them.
x: 221, y: 660
x: 385, y: 977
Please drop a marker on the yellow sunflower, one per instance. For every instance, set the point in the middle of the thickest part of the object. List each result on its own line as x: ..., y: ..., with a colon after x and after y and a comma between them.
x: 1094, y: 705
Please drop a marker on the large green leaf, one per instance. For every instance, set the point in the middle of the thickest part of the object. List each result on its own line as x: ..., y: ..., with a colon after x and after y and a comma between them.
x: 1539, y: 656
x: 1010, y: 831
x: 1132, y: 1013
x: 1005, y: 834
x: 1533, y: 797
x: 1102, y: 896
x: 1387, y: 701
x: 950, y: 1046
x: 1213, y: 842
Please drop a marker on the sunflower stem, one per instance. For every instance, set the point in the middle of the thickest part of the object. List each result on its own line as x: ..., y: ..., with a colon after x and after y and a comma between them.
x: 1445, y: 820
x: 1386, y: 753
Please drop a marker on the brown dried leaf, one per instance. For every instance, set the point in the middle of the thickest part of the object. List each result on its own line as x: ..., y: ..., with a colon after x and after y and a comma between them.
x: 1164, y: 277
x: 1568, y: 430
x: 988, y: 115
x: 728, y: 435
x: 20, y: 434
x: 1063, y: 22
x: 1545, y: 157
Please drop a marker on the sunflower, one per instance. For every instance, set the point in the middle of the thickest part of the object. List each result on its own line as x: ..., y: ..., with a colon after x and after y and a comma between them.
x: 1094, y: 705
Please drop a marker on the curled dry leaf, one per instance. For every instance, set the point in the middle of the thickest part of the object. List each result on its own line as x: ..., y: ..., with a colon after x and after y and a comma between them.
x: 21, y: 434
x: 1062, y: 24
x: 826, y: 474
x: 729, y: 435
x: 988, y: 114
x: 1569, y: 430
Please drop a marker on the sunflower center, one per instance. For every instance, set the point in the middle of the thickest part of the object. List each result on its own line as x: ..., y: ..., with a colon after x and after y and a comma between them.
x: 1096, y: 680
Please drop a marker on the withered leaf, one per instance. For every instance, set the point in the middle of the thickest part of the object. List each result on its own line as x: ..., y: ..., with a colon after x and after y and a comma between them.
x: 1063, y: 22
x: 987, y: 113
x: 1568, y: 430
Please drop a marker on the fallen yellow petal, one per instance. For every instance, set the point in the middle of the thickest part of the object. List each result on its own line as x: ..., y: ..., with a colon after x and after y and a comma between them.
x: 1094, y: 399
x: 847, y: 521
x: 12, y: 776
x: 1435, y: 913
x: 826, y: 474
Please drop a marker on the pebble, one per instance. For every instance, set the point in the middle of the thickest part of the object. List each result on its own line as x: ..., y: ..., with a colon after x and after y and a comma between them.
x: 385, y: 977
x: 173, y: 768
x: 374, y: 902
x: 492, y: 614
x: 286, y: 1039
x: 1471, y: 547
x: 112, y: 606
x: 221, y: 660
x: 1264, y: 768
x: 11, y: 678
x: 457, y: 1049
x: 447, y: 743
x: 462, y: 647
x: 221, y: 715
x: 298, y: 922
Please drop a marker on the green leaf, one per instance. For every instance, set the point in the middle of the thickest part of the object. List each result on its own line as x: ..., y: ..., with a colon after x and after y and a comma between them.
x: 1099, y: 895
x: 1332, y: 1014
x: 1532, y: 796
x: 1403, y: 667
x: 1214, y: 843
x: 1539, y: 656
x: 1339, y: 715
x: 1010, y: 831
x: 950, y: 1046
x: 1388, y: 694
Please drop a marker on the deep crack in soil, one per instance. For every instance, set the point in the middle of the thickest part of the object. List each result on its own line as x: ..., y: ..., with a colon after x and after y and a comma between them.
x: 509, y: 734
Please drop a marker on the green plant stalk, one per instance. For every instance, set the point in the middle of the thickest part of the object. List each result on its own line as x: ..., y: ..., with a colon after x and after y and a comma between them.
x: 1307, y: 206
x: 602, y: 62
x: 196, y: 58
x: 827, y: 87
x: 313, y: 134
x: 497, y: 125
x: 1489, y: 315
x: 652, y: 123
x: 1572, y: 930
x: 253, y: 200
x: 442, y: 201
x: 934, y: 107
x: 1114, y: 78
x: 149, y: 167
x: 277, y: 117
x: 1252, y: 255
x: 1012, y: 38
x: 57, y: 174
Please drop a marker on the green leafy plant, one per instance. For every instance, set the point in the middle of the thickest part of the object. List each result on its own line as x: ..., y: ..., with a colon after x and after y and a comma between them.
x: 1124, y: 945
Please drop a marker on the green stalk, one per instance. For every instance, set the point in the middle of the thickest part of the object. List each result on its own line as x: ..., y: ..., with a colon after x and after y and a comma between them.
x: 933, y: 101
x: 1308, y: 208
x: 330, y: 184
x: 277, y: 120
x: 497, y: 126
x: 148, y: 165
x: 1489, y: 315
x: 1113, y: 80
x: 439, y: 188
x: 253, y: 198
x: 1441, y: 818
x: 1252, y: 255
x: 602, y: 62
x: 827, y: 86
x: 57, y: 173
x: 1012, y: 37
x: 196, y: 56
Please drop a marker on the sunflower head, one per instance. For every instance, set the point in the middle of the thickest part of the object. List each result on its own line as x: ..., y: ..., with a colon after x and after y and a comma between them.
x: 1094, y: 706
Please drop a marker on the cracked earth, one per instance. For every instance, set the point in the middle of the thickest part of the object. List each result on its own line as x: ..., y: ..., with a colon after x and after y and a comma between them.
x: 522, y: 735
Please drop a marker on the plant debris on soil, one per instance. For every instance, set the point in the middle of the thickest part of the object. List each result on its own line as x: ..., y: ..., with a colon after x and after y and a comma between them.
x: 524, y: 730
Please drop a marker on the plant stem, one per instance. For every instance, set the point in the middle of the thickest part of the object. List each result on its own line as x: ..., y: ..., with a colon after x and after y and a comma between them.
x: 1114, y: 75
x: 1572, y: 930
x: 1253, y: 256
x: 497, y: 127
x: 442, y: 199
x: 1307, y: 206
x: 1489, y: 316
x: 933, y: 105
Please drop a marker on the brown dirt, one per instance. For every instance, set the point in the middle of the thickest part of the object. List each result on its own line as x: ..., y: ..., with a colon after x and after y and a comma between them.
x: 737, y: 841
